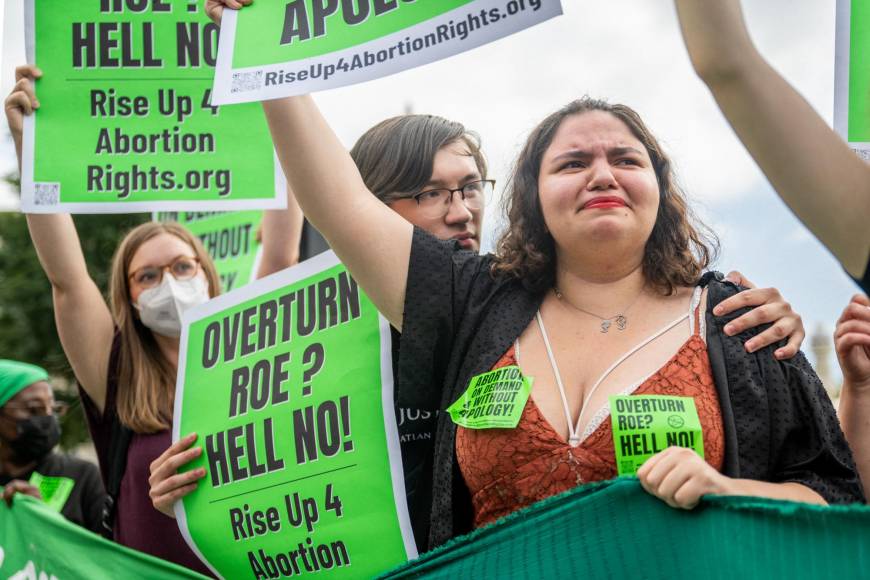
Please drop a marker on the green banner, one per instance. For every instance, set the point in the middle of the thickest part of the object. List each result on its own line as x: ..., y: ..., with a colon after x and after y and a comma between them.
x: 288, y: 384
x: 126, y: 122
x: 230, y: 238
x: 275, y: 49
x: 37, y: 543
x: 852, y: 75
x: 615, y: 529
x: 495, y: 399
x: 644, y: 425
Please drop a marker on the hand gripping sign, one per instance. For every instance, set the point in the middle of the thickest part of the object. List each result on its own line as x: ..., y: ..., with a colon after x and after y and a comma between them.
x: 127, y: 123
x: 288, y: 384
x: 852, y: 75
x: 277, y: 49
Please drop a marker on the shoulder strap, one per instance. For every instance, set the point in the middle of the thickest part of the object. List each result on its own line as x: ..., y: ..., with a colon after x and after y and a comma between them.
x: 116, y: 465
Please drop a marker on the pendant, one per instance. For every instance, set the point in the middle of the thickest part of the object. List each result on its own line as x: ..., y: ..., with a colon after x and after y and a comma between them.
x: 605, y: 326
x: 621, y: 322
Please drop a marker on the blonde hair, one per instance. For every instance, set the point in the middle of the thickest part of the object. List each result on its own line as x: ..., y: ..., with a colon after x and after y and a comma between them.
x: 146, y: 380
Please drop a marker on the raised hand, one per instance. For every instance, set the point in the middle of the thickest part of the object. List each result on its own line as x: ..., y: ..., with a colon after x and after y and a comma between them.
x: 215, y: 8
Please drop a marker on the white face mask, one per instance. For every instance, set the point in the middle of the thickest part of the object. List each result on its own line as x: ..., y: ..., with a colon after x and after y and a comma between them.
x: 160, y: 308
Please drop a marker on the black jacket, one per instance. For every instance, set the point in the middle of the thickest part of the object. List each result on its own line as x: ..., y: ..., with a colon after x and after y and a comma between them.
x: 459, y: 319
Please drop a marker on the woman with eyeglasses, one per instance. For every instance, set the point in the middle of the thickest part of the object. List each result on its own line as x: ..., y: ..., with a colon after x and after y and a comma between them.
x: 29, y: 432
x: 125, y: 353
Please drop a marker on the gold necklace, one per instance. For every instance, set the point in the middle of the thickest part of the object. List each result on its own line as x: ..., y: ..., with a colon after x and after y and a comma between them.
x: 620, y: 318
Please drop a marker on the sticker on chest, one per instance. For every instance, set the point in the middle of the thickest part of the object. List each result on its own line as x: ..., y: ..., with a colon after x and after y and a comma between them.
x: 643, y: 425
x: 494, y: 399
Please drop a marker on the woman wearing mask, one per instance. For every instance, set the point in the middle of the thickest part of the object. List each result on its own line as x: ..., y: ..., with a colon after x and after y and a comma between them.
x: 125, y: 354
x: 29, y: 431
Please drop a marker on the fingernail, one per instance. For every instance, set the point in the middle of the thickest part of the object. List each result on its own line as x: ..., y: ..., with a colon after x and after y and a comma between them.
x: 729, y: 329
x: 750, y: 347
x: 201, y: 472
x: 718, y: 310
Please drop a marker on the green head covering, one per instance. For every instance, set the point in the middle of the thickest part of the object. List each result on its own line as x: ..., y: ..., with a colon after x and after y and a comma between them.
x: 16, y: 376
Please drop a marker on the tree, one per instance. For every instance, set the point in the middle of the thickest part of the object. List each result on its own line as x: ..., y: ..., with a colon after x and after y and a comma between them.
x: 27, y: 329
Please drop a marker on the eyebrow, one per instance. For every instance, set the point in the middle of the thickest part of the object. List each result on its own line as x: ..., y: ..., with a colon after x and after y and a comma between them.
x: 581, y: 154
x: 467, y: 179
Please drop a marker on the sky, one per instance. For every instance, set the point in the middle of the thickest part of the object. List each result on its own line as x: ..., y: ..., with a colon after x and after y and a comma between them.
x: 627, y: 51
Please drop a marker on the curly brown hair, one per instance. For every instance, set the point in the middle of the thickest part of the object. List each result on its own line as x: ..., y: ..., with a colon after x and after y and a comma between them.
x: 679, y: 248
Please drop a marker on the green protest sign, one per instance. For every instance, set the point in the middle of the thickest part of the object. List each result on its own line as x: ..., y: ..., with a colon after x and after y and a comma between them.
x: 38, y: 543
x: 126, y: 122
x: 275, y: 49
x: 288, y: 384
x: 852, y: 75
x: 493, y: 400
x: 643, y: 425
x: 54, y: 490
x: 230, y: 238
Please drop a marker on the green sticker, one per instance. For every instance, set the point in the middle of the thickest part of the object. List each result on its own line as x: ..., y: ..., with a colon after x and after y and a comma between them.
x: 55, y: 490
x: 493, y: 400
x: 643, y: 425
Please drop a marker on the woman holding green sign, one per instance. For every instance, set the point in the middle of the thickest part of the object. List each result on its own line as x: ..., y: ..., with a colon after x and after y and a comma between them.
x: 125, y: 353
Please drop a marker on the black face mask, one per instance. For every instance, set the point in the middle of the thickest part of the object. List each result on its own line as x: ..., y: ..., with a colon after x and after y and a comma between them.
x: 37, y: 436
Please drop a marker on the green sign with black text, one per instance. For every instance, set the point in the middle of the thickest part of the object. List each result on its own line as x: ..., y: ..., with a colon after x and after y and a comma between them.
x: 126, y: 122
x: 275, y: 49
x: 288, y: 384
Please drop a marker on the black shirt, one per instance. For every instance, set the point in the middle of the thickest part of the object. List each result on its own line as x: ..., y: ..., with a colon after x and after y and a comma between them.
x: 84, y: 506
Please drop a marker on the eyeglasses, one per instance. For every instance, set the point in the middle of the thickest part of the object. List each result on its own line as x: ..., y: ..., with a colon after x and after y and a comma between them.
x: 182, y: 268
x: 36, y: 409
x: 435, y: 203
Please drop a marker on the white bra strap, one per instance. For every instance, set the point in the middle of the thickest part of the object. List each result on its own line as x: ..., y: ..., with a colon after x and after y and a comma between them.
x: 572, y: 434
x: 621, y: 360
x: 573, y: 429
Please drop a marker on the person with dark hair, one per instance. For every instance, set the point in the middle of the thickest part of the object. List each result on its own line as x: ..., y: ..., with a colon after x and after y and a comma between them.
x: 597, y: 288
x: 29, y: 432
x: 125, y: 353
x: 811, y: 168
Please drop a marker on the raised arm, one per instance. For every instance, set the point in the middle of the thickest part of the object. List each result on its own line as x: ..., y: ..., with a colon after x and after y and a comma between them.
x: 373, y: 241
x: 809, y: 166
x: 281, y: 234
x: 84, y: 323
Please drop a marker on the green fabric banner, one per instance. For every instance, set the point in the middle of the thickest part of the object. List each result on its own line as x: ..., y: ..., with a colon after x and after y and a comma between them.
x: 275, y: 49
x: 229, y: 237
x: 852, y: 75
x: 126, y: 122
x: 615, y: 529
x: 38, y: 543
x: 288, y: 384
